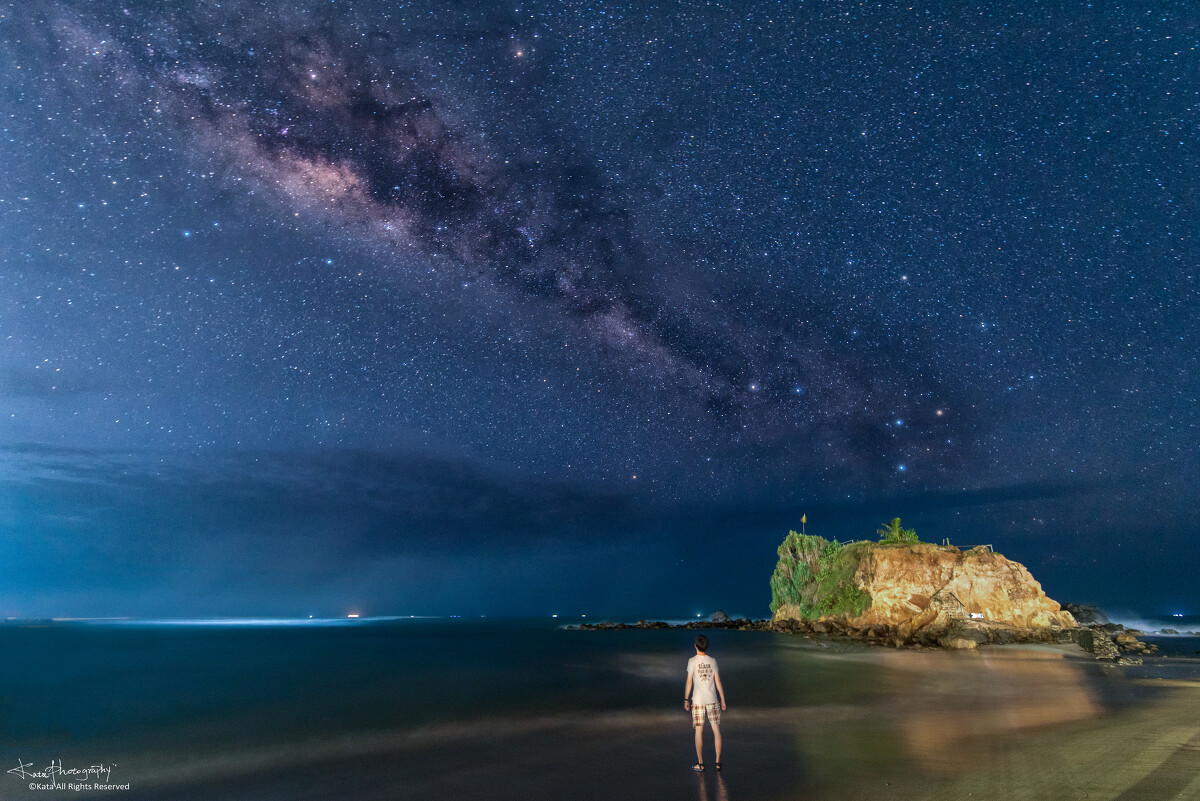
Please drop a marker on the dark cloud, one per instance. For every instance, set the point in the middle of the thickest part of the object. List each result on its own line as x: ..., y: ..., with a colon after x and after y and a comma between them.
x: 283, y: 531
x: 392, y: 502
x: 398, y: 502
x: 92, y: 532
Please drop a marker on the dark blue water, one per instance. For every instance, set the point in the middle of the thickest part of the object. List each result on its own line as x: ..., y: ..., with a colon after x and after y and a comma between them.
x: 503, y: 709
x: 1175, y: 646
x: 68, y: 682
x: 1183, y: 623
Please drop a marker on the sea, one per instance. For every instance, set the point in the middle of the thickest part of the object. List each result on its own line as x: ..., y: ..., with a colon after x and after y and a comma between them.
x: 454, y: 708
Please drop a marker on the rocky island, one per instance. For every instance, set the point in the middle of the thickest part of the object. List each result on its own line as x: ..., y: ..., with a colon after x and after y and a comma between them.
x: 913, y: 592
x: 905, y: 593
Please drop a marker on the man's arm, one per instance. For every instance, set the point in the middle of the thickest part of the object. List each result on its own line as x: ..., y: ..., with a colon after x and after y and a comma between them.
x: 720, y: 689
x: 687, y: 692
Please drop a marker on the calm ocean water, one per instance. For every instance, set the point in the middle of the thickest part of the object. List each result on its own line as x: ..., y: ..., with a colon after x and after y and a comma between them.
x: 507, y: 709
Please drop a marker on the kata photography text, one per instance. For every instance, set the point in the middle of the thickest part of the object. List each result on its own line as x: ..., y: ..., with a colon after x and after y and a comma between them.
x: 56, y: 776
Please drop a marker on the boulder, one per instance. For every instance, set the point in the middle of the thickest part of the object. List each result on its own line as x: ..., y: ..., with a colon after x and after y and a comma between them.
x: 964, y: 631
x: 1127, y: 642
x: 1097, y: 642
x: 958, y: 643
x: 1125, y: 639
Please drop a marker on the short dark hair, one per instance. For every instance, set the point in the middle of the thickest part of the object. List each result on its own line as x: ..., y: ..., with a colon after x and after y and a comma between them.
x: 701, y: 643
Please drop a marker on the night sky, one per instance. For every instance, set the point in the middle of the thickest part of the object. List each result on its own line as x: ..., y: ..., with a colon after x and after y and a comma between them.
x: 575, y: 308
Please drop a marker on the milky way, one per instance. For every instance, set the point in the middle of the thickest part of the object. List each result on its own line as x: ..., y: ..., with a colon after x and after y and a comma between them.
x: 323, y: 114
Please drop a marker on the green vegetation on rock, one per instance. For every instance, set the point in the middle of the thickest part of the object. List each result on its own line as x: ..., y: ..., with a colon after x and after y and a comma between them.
x: 817, y: 577
x: 891, y: 533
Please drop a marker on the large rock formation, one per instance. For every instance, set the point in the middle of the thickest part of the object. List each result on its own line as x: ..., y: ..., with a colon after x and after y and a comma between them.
x: 913, y: 593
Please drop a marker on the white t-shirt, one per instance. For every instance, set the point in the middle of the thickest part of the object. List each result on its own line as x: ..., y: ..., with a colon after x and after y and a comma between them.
x: 703, y: 670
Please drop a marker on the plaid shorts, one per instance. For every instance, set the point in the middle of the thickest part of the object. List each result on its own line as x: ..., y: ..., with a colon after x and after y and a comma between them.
x: 700, y: 710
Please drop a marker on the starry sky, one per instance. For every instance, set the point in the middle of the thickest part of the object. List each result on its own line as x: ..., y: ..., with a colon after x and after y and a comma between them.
x: 576, y: 307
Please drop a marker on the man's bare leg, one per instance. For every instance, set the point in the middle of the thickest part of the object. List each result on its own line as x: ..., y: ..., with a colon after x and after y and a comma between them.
x: 699, y: 744
x: 716, y: 738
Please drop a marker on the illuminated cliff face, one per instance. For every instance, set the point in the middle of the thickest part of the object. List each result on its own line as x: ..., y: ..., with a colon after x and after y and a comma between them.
x: 916, y: 586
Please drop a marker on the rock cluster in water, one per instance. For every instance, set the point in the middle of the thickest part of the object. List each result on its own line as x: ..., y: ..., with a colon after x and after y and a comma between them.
x: 1109, y: 641
x: 1114, y: 642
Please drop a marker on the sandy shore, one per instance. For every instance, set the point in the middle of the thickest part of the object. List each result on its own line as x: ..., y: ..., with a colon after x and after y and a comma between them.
x: 1038, y: 723
x: 1147, y: 752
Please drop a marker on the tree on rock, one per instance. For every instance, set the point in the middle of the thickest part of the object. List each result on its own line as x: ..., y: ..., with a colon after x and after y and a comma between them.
x: 892, y: 533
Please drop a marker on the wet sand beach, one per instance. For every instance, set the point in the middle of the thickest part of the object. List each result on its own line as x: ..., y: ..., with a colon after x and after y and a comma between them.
x: 1003, y: 724
x: 1142, y: 753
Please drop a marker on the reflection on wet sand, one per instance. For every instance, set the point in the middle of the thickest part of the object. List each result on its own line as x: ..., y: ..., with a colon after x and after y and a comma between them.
x: 951, y: 709
x: 718, y: 793
x: 911, y: 719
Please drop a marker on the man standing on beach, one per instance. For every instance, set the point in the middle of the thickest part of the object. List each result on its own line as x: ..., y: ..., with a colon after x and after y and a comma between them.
x: 700, y: 696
